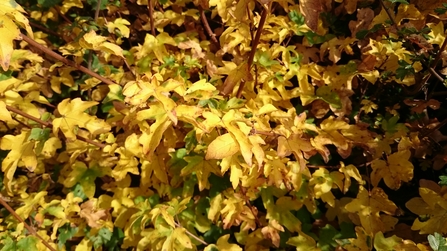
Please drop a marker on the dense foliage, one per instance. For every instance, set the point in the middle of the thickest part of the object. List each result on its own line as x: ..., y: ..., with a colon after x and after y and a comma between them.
x: 223, y: 125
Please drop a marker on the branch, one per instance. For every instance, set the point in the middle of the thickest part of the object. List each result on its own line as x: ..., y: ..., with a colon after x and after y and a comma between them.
x: 150, y: 6
x: 207, y: 26
x: 253, y: 46
x: 49, y: 125
x: 65, y: 61
x: 28, y: 227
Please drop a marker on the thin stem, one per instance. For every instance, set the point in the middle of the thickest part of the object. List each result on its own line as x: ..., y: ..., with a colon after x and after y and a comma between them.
x: 388, y: 13
x: 191, y: 234
x: 66, y: 61
x: 49, y: 125
x: 28, y: 227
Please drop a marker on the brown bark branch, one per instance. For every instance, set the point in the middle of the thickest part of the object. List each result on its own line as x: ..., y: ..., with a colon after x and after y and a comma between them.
x: 254, y: 46
x: 65, y: 61
x: 28, y: 227
x: 150, y: 6
x: 207, y: 26
x: 49, y: 125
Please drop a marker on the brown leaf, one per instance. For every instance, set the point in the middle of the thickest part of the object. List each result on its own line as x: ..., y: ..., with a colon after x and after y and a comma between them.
x: 364, y: 19
x: 91, y: 214
x: 311, y: 10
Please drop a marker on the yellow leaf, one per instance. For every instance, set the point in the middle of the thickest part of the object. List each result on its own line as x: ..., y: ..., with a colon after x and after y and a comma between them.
x: 202, y: 168
x: 431, y: 205
x: 368, y: 207
x: 68, y: 4
x: 4, y: 113
x: 121, y: 25
x: 393, y: 243
x: 350, y: 171
x: 361, y: 243
x: 20, y: 149
x: 396, y: 169
x: 223, y: 244
x: 240, y: 136
x: 221, y: 147
x: 9, y: 32
x: 72, y: 116
x: 30, y: 203
x: 323, y: 182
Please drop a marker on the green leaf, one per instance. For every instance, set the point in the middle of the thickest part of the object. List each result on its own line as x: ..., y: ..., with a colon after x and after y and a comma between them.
x: 441, y: 10
x: 66, y: 232
x: 263, y: 59
x: 297, y: 18
x: 327, y: 241
x: 437, y: 242
x: 102, y: 238
x: 329, y: 96
x: 27, y: 244
x: 443, y: 181
x: 404, y: 69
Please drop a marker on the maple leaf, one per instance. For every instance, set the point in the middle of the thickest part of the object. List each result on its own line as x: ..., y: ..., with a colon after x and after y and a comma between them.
x: 323, y: 182
x: 368, y: 207
x: 85, y: 176
x: 280, y: 210
x: 20, y: 150
x: 393, y: 243
x: 396, y: 169
x: 201, y: 168
x: 432, y: 205
x: 73, y: 116
x: 360, y: 243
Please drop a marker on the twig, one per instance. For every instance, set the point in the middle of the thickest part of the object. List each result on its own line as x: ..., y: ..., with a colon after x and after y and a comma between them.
x: 150, y: 6
x: 48, y: 124
x: 66, y: 61
x: 191, y: 234
x: 253, y: 46
x: 388, y: 13
x: 28, y: 227
x: 207, y: 26
x: 43, y: 28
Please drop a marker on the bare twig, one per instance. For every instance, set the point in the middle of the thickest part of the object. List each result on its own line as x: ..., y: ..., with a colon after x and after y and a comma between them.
x: 191, y: 234
x: 43, y: 28
x: 66, y: 61
x: 388, y: 12
x: 28, y: 227
x: 254, y: 45
x: 207, y: 26
x: 49, y: 125
x: 150, y: 6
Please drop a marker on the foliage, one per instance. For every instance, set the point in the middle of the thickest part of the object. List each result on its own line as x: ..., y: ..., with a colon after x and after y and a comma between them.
x: 220, y: 125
